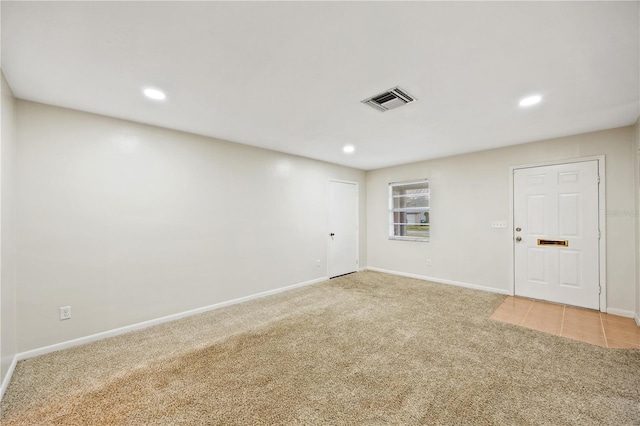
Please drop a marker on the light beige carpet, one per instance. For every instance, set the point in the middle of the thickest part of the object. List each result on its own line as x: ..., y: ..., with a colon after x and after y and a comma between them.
x: 367, y: 348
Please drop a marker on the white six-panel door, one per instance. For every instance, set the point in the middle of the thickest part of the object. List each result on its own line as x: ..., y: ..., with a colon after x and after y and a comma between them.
x: 556, y: 235
x: 343, y: 228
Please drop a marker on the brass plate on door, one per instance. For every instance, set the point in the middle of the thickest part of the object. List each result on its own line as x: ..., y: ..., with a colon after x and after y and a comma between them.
x: 563, y: 243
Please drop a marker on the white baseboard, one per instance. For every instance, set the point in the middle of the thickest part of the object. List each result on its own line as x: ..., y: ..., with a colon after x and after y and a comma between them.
x: 117, y: 331
x: 442, y: 281
x: 638, y: 319
x: 7, y: 378
x: 621, y: 313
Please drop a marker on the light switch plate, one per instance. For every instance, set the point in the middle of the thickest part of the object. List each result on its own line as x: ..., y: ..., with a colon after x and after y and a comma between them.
x: 498, y: 224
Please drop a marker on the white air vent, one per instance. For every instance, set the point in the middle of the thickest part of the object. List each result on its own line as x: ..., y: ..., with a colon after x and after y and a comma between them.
x: 392, y: 98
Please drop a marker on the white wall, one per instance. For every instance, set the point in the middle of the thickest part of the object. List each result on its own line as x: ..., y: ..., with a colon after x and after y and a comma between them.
x: 127, y: 222
x: 469, y: 191
x: 7, y: 232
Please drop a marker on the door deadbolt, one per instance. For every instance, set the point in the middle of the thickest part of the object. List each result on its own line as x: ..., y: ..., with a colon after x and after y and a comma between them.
x: 518, y: 229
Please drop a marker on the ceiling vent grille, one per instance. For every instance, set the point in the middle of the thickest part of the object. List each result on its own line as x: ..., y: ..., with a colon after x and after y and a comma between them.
x: 392, y: 98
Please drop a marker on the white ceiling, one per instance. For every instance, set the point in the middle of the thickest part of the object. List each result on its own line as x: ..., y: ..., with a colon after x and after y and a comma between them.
x: 290, y: 76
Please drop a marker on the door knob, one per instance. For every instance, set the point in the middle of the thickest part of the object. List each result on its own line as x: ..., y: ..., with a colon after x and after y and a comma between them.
x: 518, y: 239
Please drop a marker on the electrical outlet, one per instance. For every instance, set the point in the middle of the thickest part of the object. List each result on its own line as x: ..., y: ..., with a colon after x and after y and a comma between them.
x: 65, y: 313
x: 428, y: 262
x: 318, y: 263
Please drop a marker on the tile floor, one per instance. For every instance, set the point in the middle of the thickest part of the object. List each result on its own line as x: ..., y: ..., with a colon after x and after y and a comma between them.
x: 609, y: 331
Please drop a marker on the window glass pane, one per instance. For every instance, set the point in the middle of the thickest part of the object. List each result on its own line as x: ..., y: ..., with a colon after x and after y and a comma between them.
x: 414, y: 201
x: 421, y: 231
x: 411, y: 217
x: 412, y: 188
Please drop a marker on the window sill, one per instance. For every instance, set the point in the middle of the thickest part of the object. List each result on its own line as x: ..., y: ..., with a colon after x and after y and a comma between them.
x: 422, y: 240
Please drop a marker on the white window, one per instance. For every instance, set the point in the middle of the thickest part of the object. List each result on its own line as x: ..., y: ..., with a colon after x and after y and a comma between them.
x: 409, y: 210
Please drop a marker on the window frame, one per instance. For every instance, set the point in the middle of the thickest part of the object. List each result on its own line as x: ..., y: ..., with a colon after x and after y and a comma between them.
x: 393, y: 210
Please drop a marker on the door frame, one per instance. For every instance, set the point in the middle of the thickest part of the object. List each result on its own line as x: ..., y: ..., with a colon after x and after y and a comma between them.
x: 602, y: 220
x: 328, y: 230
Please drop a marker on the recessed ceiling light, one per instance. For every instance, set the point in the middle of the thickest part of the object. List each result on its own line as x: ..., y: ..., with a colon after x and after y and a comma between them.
x: 155, y: 94
x: 530, y: 100
x: 349, y: 149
